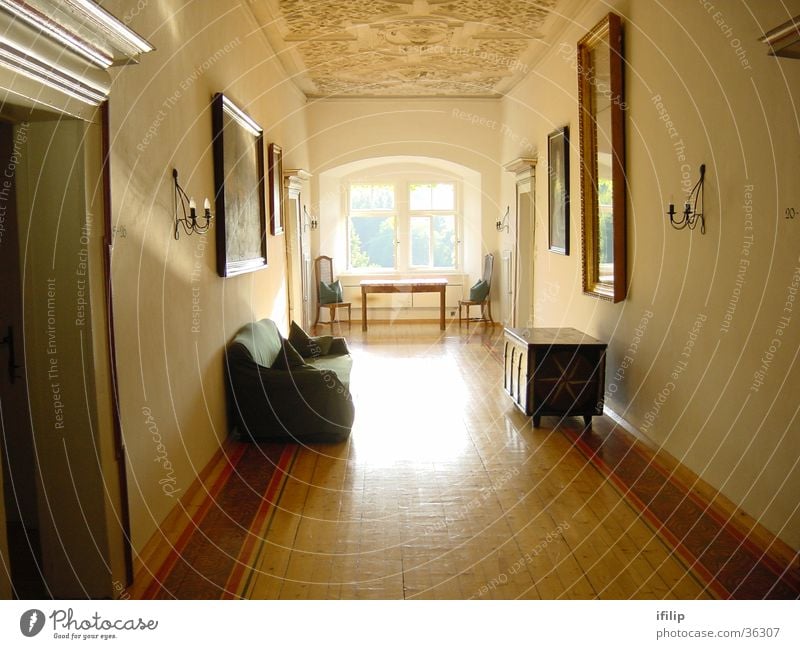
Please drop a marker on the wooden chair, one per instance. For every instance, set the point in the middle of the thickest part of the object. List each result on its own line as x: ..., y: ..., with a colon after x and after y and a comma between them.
x: 323, y: 268
x: 485, y: 305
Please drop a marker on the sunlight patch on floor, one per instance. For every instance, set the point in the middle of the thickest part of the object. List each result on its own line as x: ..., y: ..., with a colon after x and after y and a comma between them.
x: 408, y: 410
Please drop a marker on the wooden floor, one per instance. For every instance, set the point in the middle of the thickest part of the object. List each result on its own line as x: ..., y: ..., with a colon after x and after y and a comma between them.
x: 444, y: 490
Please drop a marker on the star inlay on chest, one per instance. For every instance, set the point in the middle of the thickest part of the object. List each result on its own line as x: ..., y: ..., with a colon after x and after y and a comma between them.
x: 563, y: 378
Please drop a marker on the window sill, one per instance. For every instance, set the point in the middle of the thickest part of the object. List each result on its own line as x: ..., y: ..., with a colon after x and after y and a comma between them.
x: 351, y: 278
x: 401, y: 273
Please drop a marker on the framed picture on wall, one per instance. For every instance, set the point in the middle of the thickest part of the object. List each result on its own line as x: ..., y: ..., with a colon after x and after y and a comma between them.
x: 239, y: 189
x: 275, y: 158
x: 558, y: 189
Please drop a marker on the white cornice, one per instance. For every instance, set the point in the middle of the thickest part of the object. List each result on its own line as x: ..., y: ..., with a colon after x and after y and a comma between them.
x: 521, y: 166
x: 42, y: 67
x: 301, y: 174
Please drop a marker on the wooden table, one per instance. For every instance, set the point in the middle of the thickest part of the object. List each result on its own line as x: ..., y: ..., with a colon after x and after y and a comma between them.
x: 438, y: 285
x: 555, y: 372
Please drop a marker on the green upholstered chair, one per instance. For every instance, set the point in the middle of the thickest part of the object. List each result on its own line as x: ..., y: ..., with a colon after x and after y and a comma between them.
x: 484, y: 304
x: 323, y: 266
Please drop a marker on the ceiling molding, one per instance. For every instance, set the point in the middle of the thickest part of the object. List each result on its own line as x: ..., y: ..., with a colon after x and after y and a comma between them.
x: 82, y: 27
x: 784, y: 40
x: 54, y: 54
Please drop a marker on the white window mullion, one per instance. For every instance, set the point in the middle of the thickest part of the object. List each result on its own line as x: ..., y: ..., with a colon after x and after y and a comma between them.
x: 430, y: 241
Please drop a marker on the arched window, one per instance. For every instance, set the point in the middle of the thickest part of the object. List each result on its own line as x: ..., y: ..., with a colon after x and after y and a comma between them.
x: 401, y: 216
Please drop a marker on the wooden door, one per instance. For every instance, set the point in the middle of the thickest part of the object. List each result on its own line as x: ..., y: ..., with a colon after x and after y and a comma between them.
x: 525, y: 255
x: 20, y: 519
x: 292, y: 231
x: 298, y: 252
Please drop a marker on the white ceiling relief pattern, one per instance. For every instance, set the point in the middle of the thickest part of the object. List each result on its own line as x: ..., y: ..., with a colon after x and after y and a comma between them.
x: 407, y: 48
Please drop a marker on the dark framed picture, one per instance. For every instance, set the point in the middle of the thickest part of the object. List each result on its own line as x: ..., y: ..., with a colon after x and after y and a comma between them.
x: 558, y: 189
x: 239, y: 189
x: 275, y: 157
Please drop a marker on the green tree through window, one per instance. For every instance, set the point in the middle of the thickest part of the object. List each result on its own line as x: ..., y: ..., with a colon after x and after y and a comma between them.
x: 605, y: 221
x: 372, y: 242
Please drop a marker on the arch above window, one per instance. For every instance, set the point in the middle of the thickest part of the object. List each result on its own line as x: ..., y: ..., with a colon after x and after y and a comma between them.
x: 402, y: 215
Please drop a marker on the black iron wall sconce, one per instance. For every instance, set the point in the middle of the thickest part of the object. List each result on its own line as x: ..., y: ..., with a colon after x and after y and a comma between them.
x: 189, y: 222
x: 691, y: 215
x: 309, y: 222
x: 502, y: 224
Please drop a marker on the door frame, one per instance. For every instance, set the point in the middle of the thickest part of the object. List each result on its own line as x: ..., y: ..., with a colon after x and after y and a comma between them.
x: 524, y: 170
x: 296, y: 239
x: 119, y: 443
x: 102, y: 157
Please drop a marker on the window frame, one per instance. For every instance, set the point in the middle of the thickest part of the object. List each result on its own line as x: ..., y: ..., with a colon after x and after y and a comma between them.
x: 430, y: 215
x: 371, y: 213
x: 402, y: 214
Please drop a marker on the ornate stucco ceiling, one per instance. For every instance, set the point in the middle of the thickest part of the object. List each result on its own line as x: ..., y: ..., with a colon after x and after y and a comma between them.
x: 409, y: 48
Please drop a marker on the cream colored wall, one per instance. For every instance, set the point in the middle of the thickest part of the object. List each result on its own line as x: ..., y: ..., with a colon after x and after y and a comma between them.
x: 463, y: 131
x: 169, y: 353
x: 679, y: 369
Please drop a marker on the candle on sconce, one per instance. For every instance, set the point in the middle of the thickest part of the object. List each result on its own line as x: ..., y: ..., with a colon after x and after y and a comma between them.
x: 692, y: 206
x: 186, y: 211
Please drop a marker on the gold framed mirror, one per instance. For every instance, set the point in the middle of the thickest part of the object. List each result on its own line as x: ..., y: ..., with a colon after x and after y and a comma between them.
x: 601, y: 109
